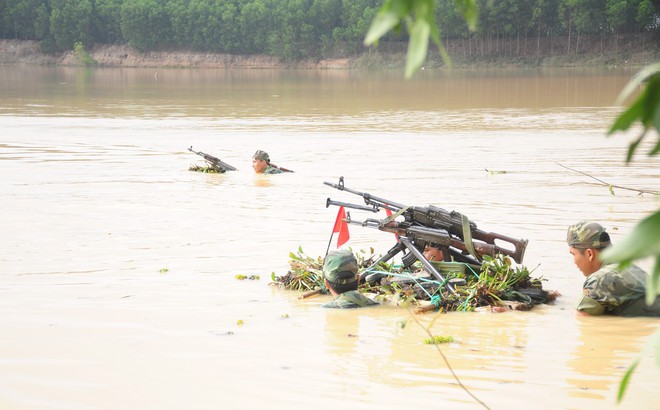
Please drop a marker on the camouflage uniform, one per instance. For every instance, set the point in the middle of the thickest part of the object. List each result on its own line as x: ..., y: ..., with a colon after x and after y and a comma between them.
x: 350, y: 299
x: 262, y: 155
x: 340, y: 267
x: 610, y: 290
x: 271, y: 170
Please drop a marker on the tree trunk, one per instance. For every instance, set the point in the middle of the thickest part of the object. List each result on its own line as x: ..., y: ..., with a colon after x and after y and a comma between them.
x: 568, y: 48
x: 538, y: 41
x: 616, y: 40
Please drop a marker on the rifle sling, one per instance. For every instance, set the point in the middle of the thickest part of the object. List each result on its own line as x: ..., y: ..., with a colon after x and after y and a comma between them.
x: 394, y: 215
x: 467, y: 236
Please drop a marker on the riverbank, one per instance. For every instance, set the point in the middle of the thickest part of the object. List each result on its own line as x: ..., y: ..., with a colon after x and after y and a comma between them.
x: 631, y: 51
x: 28, y: 53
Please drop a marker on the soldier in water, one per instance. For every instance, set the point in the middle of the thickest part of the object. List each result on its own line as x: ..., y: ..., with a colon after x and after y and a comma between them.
x: 261, y: 164
x: 340, y: 276
x: 607, y: 289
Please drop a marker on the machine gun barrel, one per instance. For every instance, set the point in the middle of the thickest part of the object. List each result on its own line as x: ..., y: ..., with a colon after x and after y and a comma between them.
x: 329, y: 202
x: 368, y: 198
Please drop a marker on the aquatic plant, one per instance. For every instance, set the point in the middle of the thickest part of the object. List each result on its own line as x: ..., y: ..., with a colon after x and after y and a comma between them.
x: 204, y: 169
x: 498, y: 282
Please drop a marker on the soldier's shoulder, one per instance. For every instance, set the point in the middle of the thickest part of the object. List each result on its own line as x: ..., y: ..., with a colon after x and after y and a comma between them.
x: 272, y: 170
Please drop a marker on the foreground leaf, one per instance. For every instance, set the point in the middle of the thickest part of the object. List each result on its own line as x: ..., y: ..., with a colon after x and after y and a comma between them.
x: 643, y: 241
x: 653, y: 343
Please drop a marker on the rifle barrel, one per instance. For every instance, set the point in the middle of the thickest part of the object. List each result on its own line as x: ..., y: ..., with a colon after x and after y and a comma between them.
x: 213, y: 160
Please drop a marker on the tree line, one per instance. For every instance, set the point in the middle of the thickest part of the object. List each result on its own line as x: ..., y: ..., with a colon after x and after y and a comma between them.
x: 297, y: 29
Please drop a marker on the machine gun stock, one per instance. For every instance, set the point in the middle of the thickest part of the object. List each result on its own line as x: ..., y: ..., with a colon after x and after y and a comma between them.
x: 214, y: 162
x: 453, y: 222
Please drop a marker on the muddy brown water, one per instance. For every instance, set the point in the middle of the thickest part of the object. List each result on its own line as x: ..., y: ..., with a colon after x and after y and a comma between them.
x: 118, y: 266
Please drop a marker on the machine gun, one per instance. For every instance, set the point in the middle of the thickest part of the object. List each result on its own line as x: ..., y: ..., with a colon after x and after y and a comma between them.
x: 214, y: 162
x: 458, y: 238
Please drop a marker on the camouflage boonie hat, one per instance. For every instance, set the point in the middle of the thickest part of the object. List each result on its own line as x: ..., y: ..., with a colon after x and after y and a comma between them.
x: 262, y: 155
x: 340, y: 267
x: 587, y: 234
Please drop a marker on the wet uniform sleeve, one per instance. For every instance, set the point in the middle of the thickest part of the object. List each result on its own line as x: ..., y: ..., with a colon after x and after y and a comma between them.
x: 590, y: 306
x: 594, y: 298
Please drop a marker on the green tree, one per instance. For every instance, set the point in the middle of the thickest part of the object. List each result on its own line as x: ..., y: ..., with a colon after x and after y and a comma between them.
x: 4, y: 20
x: 253, y: 26
x: 20, y: 18
x: 291, y: 37
x: 326, y: 15
x: 646, y: 14
x: 354, y: 22
x: 71, y: 21
x: 145, y: 24
x: 228, y: 13
x: 107, y: 16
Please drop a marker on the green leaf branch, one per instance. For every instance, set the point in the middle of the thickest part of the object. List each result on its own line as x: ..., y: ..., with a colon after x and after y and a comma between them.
x: 421, y: 24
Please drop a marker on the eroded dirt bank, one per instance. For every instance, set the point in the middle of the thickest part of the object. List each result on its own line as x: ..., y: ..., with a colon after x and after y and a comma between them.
x: 28, y: 52
x: 631, y: 50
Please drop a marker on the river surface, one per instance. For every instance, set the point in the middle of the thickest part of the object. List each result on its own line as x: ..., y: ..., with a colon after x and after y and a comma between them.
x: 118, y: 266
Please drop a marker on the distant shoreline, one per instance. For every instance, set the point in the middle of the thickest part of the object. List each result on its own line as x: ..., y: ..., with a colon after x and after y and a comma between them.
x: 25, y: 52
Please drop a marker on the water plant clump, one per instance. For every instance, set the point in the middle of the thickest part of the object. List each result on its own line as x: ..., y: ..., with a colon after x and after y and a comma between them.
x: 498, y: 283
x: 204, y: 169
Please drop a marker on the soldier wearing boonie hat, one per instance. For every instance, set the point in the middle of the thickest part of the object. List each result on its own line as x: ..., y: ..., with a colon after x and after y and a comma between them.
x: 607, y: 289
x: 586, y: 234
x: 261, y: 163
x: 340, y: 274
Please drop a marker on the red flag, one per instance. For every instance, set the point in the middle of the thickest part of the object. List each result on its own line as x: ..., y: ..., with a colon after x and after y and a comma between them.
x: 342, y: 227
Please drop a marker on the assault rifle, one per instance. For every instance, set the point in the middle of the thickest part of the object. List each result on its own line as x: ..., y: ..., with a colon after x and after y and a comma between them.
x: 280, y: 168
x: 214, y: 162
x: 458, y: 238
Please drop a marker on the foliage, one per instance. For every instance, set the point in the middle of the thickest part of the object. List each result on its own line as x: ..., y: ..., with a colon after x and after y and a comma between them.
x: 82, y: 56
x: 204, y: 169
x: 295, y: 29
x: 71, y: 21
x: 644, y: 240
x: 498, y: 279
x: 653, y: 343
x: 435, y: 340
x: 107, y: 17
x: 420, y: 20
x: 244, y: 277
x: 145, y: 24
x: 306, y: 273
x: 645, y: 109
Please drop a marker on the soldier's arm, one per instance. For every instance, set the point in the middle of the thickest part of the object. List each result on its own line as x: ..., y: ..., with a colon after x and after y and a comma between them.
x: 590, y: 307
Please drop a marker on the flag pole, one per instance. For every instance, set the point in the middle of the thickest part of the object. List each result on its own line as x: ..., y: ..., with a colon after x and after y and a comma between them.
x: 339, y: 220
x: 329, y: 242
